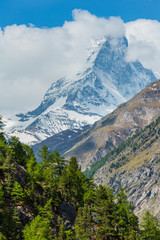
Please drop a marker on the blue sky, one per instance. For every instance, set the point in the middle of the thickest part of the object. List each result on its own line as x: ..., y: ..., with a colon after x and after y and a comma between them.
x: 51, y: 13
x: 32, y: 57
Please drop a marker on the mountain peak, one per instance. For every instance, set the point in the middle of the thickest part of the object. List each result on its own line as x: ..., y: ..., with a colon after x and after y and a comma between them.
x: 90, y: 95
x: 112, y: 52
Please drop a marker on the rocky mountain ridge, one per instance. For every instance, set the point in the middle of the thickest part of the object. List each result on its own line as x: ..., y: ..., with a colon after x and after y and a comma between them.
x: 116, y: 127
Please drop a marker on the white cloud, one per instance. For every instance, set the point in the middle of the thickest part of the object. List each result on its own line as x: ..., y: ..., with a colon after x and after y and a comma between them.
x: 32, y: 58
x: 144, y: 43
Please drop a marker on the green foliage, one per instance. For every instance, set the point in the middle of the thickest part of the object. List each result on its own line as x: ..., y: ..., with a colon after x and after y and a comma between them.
x: 17, y: 225
x: 89, y: 194
x: 18, y: 151
x: 1, y: 196
x: 105, y: 212
x: 150, y: 227
x: 3, y: 150
x: 69, y: 235
x: 61, y: 232
x: 6, y: 223
x: 83, y: 224
x: 73, y: 183
x: 46, y: 211
x: 45, y: 155
x: 18, y: 193
x: 11, y: 226
x: 59, y: 164
x: 2, y: 237
x: 50, y: 169
x: 31, y: 166
x: 33, y: 194
x: 39, y: 228
x: 127, y: 221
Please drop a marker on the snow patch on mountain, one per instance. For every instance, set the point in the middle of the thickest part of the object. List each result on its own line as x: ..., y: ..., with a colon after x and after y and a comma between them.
x: 107, y: 81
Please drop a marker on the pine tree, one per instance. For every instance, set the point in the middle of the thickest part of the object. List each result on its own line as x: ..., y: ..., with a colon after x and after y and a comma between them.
x: 59, y: 164
x: 17, y: 226
x: 44, y: 154
x: 72, y: 183
x: 18, y: 151
x: 18, y: 193
x: 30, y: 166
x: 104, y: 209
x: 8, y: 185
x: 126, y: 220
x: 7, y: 170
x: 38, y: 229
x: 7, y: 225
x: 79, y: 230
x: 89, y: 192
x: 83, y: 224
x: 3, y: 149
x: 150, y: 227
x: 61, y: 232
x: 46, y: 211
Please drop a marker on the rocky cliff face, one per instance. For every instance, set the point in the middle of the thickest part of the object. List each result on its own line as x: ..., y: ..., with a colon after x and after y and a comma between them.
x: 116, y: 127
x: 136, y: 167
x: 107, y: 81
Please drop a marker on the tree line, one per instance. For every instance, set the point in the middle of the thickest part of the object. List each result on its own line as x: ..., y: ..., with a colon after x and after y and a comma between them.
x: 32, y: 193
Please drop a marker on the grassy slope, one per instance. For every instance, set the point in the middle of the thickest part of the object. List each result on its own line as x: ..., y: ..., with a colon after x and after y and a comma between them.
x: 134, y: 151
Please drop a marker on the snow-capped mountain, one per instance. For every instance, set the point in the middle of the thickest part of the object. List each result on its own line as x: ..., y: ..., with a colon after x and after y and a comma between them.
x: 107, y: 81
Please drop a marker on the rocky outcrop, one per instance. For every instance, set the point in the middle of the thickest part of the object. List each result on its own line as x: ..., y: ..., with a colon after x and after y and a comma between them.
x: 142, y: 184
x: 68, y: 213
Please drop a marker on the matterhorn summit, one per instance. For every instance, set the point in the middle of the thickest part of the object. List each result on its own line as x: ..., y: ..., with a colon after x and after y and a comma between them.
x: 108, y: 80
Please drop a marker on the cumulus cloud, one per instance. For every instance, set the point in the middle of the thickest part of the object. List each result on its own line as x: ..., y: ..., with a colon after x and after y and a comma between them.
x: 32, y: 58
x: 144, y: 43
